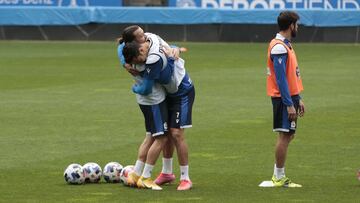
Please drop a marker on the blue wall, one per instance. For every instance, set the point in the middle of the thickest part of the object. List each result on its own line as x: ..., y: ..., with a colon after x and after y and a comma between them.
x: 177, y: 16
x: 322, y: 13
x: 269, y: 4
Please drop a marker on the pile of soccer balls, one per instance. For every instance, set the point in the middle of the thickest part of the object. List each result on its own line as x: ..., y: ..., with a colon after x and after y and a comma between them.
x: 92, y: 173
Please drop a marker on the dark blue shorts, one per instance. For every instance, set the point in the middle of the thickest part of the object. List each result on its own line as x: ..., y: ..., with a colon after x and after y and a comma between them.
x: 281, y: 122
x: 180, y: 110
x: 156, y: 117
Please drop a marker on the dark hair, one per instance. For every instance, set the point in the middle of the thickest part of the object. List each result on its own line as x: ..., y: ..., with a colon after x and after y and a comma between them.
x: 131, y: 51
x: 286, y: 18
x: 128, y: 34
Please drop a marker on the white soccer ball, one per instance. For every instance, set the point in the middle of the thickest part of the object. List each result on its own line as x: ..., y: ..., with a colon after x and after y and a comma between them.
x: 92, y: 172
x: 112, y: 172
x: 73, y: 174
x: 125, y: 173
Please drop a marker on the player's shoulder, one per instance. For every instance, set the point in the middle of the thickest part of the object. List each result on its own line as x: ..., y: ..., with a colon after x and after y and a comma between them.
x: 278, y: 49
x: 153, y: 58
x: 151, y: 37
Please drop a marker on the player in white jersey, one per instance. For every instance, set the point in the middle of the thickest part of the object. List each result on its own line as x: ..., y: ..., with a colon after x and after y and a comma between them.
x: 181, y: 95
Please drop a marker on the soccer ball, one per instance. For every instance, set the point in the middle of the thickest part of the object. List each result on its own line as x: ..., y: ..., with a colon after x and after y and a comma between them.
x: 112, y: 172
x: 73, y: 174
x: 92, y: 172
x: 125, y: 173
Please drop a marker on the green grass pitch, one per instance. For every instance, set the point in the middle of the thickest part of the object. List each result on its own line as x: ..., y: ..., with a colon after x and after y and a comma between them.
x: 64, y: 102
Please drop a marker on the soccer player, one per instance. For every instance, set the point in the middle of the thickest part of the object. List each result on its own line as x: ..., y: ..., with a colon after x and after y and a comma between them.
x: 180, y: 98
x: 284, y: 85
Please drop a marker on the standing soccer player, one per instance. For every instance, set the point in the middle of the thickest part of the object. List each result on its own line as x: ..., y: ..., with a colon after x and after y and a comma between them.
x: 284, y: 85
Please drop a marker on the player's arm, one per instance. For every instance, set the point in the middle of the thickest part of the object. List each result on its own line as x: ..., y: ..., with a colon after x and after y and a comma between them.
x: 279, y: 57
x: 145, y: 88
x: 151, y: 73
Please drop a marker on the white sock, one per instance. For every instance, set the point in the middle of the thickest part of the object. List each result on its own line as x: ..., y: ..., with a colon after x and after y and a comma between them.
x: 279, y: 172
x: 139, y: 165
x: 184, y: 171
x: 167, y: 166
x: 147, y: 171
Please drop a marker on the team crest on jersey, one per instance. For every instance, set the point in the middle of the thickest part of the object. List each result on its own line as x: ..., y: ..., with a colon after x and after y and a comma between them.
x: 148, y: 70
x: 280, y: 60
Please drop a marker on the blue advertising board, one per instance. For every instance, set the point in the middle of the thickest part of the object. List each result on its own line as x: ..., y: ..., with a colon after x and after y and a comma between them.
x: 323, y: 13
x: 269, y: 4
x: 61, y: 3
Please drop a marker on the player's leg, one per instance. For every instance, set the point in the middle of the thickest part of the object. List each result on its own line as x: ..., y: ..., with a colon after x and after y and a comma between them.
x: 286, y: 129
x: 182, y: 151
x: 144, y: 147
x: 155, y: 149
x: 167, y: 175
x: 145, y: 180
x: 181, y: 119
x: 158, y: 129
x: 281, y: 148
x: 140, y: 162
x: 181, y: 145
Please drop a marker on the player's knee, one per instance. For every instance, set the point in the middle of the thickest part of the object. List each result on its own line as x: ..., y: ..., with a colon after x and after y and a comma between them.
x: 177, y: 134
x: 286, y: 137
x: 147, y: 142
x: 161, y: 140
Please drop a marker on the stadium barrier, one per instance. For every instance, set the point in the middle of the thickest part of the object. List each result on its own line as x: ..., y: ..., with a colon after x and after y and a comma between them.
x: 221, y: 20
x: 158, y: 15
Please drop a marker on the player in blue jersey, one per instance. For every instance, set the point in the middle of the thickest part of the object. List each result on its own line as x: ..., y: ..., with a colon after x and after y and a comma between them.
x: 180, y: 97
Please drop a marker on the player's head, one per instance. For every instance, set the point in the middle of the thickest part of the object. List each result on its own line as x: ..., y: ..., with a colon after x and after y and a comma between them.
x: 287, y: 20
x: 132, y: 33
x: 135, y: 53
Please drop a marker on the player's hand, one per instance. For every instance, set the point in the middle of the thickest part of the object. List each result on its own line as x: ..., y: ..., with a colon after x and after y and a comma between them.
x: 176, y: 52
x: 134, y: 87
x: 131, y: 70
x: 301, y: 108
x: 182, y: 49
x: 291, y: 113
x: 173, y: 52
x: 167, y: 51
